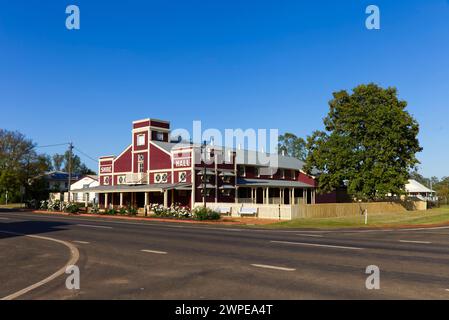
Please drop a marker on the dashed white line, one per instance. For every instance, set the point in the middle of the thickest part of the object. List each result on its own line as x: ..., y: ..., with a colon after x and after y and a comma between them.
x: 415, y: 241
x: 154, y: 251
x: 93, y: 226
x: 81, y: 242
x: 310, y: 235
x: 265, y: 266
x: 316, y: 245
x: 3, y: 218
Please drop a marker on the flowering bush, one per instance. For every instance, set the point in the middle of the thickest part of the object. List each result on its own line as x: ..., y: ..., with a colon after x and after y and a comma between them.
x: 54, y: 205
x: 43, y: 205
x: 71, y: 207
x: 95, y: 209
x: 174, y: 211
x: 202, y: 213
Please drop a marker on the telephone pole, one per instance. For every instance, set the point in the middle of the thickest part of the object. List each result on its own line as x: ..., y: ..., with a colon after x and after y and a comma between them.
x: 70, y: 170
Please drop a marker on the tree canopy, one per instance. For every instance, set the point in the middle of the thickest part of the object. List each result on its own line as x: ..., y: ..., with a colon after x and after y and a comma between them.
x: 20, y: 164
x: 293, y: 146
x: 369, y: 143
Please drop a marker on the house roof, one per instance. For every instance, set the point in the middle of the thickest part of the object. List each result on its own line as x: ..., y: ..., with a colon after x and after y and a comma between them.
x: 245, y: 157
x: 272, y: 183
x: 415, y: 186
x: 139, y: 188
x: 59, y: 176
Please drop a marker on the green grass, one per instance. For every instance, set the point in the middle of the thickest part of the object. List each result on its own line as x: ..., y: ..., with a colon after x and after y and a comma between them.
x: 12, y: 205
x: 407, y: 218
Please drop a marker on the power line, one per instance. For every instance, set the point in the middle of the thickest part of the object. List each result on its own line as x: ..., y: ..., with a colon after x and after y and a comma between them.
x: 53, y: 145
x: 85, y: 154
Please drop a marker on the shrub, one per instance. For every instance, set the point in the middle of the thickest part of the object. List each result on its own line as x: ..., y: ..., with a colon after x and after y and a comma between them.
x: 174, y: 211
x: 202, y: 213
x: 122, y: 210
x: 112, y: 211
x: 43, y: 205
x: 95, y: 209
x: 54, y: 205
x: 131, y: 211
x: 71, y: 208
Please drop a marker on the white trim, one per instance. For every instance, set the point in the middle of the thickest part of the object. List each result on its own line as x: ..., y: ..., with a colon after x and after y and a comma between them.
x: 152, y: 143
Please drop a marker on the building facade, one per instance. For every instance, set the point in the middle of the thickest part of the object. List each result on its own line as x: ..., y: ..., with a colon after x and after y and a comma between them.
x: 154, y: 169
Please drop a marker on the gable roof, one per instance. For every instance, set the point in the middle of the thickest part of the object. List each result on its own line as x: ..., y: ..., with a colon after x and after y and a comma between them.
x: 415, y: 186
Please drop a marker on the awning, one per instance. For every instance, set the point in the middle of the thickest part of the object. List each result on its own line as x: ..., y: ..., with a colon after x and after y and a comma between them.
x: 226, y: 186
x: 272, y: 183
x: 159, y: 187
x: 208, y: 173
x: 227, y: 174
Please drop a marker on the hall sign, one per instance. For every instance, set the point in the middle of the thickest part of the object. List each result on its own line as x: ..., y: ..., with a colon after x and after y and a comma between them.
x: 182, y: 162
x: 106, y: 169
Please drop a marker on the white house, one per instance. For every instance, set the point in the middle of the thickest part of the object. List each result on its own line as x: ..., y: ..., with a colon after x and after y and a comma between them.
x: 416, y: 189
x: 76, y: 190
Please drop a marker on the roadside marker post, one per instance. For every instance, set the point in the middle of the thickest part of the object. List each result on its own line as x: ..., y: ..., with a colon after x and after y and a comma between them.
x: 366, y: 216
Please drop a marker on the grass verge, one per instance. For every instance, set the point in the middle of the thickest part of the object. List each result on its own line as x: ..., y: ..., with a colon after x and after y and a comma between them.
x: 407, y: 218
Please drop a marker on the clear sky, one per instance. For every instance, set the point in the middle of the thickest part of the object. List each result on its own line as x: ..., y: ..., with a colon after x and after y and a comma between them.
x: 230, y: 64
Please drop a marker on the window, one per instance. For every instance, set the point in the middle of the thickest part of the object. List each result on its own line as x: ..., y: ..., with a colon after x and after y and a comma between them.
x: 106, y: 180
x: 293, y: 175
x: 282, y: 174
x: 182, y: 176
x: 242, y: 171
x: 257, y: 172
x: 140, y: 163
x: 160, y: 136
x: 121, y: 179
x: 141, y: 140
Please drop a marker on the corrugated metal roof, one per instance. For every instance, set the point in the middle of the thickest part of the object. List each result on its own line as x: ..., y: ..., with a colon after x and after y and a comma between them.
x: 415, y: 186
x: 138, y: 188
x: 246, y: 157
x: 272, y: 183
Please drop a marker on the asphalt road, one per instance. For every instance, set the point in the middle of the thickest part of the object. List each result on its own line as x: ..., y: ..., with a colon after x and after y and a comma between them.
x: 153, y: 260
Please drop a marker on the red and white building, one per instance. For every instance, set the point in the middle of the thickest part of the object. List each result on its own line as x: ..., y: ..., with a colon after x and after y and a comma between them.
x: 152, y: 169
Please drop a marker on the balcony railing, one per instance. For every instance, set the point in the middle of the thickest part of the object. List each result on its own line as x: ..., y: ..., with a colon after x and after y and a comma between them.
x: 136, y: 178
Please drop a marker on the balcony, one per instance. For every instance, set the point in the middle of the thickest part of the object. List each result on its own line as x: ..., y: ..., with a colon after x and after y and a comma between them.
x: 136, y: 178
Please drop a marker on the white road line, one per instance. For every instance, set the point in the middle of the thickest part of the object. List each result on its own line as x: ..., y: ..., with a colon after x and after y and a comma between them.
x: 446, y: 289
x: 415, y: 241
x: 154, y: 251
x: 74, y: 256
x: 272, y: 267
x: 310, y: 235
x: 81, y: 242
x: 2, y: 218
x: 316, y: 245
x: 93, y: 226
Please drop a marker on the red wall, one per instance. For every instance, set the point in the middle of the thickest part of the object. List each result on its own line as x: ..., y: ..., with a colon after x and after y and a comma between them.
x: 123, y: 163
x: 159, y: 159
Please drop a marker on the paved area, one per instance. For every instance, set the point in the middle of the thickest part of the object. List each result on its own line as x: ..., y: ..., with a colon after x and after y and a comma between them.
x: 154, y: 260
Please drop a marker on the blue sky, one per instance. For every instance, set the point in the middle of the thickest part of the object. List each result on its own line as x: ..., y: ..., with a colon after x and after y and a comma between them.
x: 230, y: 64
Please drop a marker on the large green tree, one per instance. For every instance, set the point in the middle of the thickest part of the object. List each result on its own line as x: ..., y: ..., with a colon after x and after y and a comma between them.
x: 19, y: 162
x: 369, y: 143
x: 61, y: 162
x: 293, y: 146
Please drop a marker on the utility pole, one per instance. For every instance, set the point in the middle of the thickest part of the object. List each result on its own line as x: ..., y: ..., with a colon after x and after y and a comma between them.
x: 203, y: 149
x: 70, y: 170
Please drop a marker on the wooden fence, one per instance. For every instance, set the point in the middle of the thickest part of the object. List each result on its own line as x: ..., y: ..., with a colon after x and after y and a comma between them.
x: 330, y: 210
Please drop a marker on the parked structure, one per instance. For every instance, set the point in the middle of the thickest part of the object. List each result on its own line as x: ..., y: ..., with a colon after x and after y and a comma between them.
x: 78, y: 189
x: 152, y: 169
x: 58, y: 181
x: 417, y: 190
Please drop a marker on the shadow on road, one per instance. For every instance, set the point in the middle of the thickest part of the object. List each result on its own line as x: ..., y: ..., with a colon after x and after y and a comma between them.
x: 29, y: 227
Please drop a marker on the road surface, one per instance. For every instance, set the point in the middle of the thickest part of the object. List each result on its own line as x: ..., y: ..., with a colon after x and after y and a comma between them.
x: 121, y: 259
